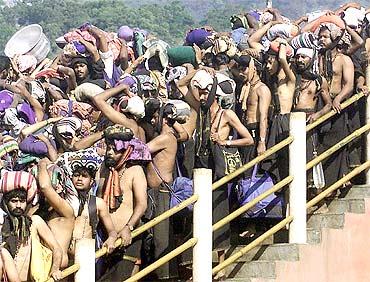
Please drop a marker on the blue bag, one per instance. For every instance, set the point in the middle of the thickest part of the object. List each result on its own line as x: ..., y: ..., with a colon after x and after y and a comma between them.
x: 182, y: 189
x: 250, y: 188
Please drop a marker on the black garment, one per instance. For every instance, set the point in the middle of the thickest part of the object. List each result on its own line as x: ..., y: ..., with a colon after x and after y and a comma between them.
x: 163, y: 233
x: 277, y: 164
x: 120, y: 263
x: 248, y: 153
x: 337, y: 165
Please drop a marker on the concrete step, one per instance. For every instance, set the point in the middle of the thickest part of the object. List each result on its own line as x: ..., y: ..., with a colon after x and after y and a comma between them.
x: 347, y: 205
x: 260, y: 269
x: 288, y: 252
x: 328, y: 220
x: 313, y: 236
x: 249, y: 280
x: 358, y: 192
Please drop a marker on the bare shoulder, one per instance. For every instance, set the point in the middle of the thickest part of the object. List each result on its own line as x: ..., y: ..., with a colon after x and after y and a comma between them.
x: 345, y: 59
x: 37, y: 221
x: 100, y: 204
x: 262, y: 89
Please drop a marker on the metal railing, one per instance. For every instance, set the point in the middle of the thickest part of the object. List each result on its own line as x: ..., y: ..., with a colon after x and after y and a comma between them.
x: 193, y: 199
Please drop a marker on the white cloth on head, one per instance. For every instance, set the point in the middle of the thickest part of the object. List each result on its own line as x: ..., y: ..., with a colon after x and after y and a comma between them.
x: 135, y: 106
x: 86, y: 90
x: 353, y: 16
x: 305, y: 52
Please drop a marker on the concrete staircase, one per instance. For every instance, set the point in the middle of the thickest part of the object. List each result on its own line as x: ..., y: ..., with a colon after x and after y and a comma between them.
x: 338, y: 248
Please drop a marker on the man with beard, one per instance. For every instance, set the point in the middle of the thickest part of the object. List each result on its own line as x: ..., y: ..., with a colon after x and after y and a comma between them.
x: 311, y: 96
x: 19, y: 190
x: 123, y: 186
x: 214, y: 126
x: 255, y: 99
x: 338, y: 70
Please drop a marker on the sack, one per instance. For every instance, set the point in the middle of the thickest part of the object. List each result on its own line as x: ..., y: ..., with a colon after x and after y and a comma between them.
x: 41, y: 259
x: 226, y: 160
x: 182, y: 189
x: 250, y: 188
x: 178, y: 110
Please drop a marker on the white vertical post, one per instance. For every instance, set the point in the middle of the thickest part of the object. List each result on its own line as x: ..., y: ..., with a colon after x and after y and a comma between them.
x: 85, y: 257
x: 368, y: 121
x: 297, y: 169
x: 202, y: 225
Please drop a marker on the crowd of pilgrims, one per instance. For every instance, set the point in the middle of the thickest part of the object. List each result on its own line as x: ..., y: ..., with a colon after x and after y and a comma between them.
x: 104, y: 137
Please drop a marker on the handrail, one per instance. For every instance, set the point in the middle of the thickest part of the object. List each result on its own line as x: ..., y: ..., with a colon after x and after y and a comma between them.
x: 287, y: 220
x: 337, y: 184
x: 188, y: 244
x: 328, y: 115
x: 252, y: 203
x: 250, y: 164
x: 101, y: 252
x: 253, y: 244
x: 337, y: 146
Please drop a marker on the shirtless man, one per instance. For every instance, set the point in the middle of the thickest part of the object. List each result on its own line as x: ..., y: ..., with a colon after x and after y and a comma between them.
x: 311, y: 93
x: 126, y: 207
x: 60, y: 215
x: 338, y: 70
x: 83, y: 177
x: 15, y: 203
x: 125, y: 119
x: 219, y: 123
x: 255, y: 104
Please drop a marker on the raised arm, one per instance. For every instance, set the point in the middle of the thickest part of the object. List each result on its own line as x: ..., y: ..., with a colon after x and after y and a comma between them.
x: 356, y: 41
x: 28, y: 130
x: 255, y: 39
x: 57, y: 202
x: 114, y: 116
x: 35, y: 104
x: 88, y: 141
x: 284, y: 63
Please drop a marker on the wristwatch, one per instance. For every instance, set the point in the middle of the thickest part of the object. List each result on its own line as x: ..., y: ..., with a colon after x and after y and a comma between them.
x: 130, y: 227
x: 228, y: 143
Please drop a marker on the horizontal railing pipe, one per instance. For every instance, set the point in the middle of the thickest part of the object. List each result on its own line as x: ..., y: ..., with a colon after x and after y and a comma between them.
x: 328, y: 115
x: 337, y: 184
x: 250, y: 246
x: 337, y: 146
x: 252, y: 203
x: 188, y: 244
x: 250, y: 164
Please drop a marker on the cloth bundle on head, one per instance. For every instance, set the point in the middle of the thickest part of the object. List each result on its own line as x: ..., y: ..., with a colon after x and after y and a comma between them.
x: 26, y: 63
x: 240, y: 37
x: 175, y: 74
x: 197, y: 36
x: 238, y: 21
x: 85, y: 91
x: 337, y: 34
x: 158, y: 47
x: 68, y: 126
x: 67, y: 108
x: 8, y: 144
x: 180, y: 55
x: 130, y: 81
x: 13, y: 180
x: 152, y: 105
x: 126, y: 33
x: 354, y: 17
x: 57, y: 177
x: 224, y: 44
x: 147, y: 82
x: 204, y: 80
x: 133, y: 105
x: 6, y: 99
x: 304, y: 40
x: 282, y: 30
x: 140, y: 152
x: 266, y: 17
x: 275, y: 48
x: 177, y: 110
